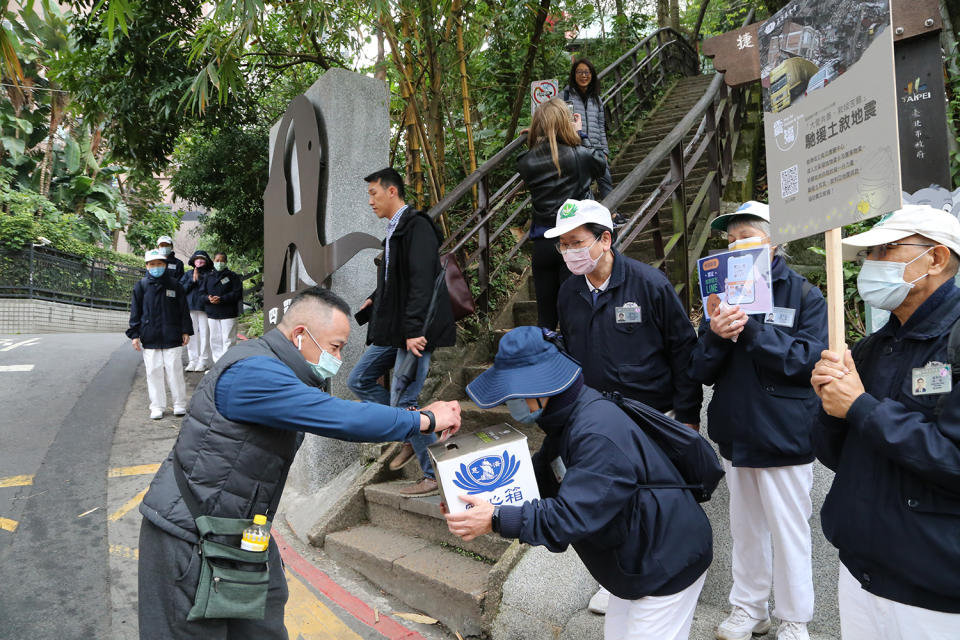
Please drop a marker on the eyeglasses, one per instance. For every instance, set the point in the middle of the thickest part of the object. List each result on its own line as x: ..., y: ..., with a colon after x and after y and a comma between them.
x: 563, y: 247
x: 584, y: 74
x: 879, y: 252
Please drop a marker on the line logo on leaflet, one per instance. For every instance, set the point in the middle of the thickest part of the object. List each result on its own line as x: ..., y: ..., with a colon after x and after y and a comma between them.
x: 487, y: 473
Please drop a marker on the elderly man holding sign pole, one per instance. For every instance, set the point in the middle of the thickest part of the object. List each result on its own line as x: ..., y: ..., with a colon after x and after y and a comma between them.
x: 893, y: 511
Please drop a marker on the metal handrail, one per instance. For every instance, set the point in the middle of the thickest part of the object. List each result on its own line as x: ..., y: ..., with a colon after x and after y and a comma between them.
x: 671, y: 54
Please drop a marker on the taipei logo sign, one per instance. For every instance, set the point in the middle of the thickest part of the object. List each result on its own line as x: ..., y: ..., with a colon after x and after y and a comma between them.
x: 487, y: 473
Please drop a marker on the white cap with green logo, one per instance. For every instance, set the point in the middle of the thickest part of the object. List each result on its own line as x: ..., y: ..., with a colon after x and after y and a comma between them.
x: 575, y: 213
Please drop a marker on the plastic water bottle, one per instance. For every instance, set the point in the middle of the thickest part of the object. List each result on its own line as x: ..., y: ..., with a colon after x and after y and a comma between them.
x: 256, y: 537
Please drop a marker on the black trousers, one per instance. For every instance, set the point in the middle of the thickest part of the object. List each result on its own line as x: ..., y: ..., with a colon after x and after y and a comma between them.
x: 549, y: 272
x: 169, y: 569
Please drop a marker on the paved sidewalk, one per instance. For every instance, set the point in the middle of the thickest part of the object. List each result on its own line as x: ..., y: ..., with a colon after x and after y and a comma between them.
x: 326, y: 602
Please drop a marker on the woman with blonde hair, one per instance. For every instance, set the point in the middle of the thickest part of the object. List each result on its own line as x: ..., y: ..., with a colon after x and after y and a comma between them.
x: 559, y: 166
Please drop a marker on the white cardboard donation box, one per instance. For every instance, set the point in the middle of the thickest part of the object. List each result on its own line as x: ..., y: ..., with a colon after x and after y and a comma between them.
x: 492, y: 463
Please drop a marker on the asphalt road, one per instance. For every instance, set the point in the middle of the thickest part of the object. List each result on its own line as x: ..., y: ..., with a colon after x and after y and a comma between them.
x: 61, y: 396
x: 77, y: 453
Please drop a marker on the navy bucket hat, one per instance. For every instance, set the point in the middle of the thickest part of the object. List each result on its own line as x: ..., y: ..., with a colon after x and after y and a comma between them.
x: 526, y: 366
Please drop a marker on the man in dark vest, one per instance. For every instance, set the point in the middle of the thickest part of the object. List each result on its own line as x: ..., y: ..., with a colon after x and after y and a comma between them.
x: 236, y: 444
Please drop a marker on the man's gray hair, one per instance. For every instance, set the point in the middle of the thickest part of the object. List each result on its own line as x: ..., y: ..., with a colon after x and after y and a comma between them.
x: 760, y: 225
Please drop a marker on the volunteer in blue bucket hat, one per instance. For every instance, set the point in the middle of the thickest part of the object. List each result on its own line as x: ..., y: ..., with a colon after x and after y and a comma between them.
x: 589, y: 467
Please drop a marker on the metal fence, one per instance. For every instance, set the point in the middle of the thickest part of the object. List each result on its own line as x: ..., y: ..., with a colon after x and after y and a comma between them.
x: 42, y: 273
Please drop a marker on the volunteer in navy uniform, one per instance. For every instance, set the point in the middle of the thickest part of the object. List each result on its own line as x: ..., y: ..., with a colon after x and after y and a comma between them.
x: 223, y: 292
x: 760, y: 416
x: 623, y: 321
x: 649, y: 547
x: 893, y: 510
x: 174, y: 264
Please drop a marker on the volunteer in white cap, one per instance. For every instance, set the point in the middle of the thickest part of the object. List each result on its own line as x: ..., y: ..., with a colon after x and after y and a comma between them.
x: 623, y: 321
x: 760, y: 416
x: 893, y: 511
x: 174, y: 264
x: 160, y: 326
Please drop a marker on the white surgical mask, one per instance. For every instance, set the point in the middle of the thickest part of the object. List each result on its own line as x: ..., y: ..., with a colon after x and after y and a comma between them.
x: 166, y: 250
x: 327, y: 366
x: 746, y: 243
x: 881, y: 283
x: 219, y: 266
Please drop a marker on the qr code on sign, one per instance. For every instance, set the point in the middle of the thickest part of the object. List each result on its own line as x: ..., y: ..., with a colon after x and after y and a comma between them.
x: 789, y: 182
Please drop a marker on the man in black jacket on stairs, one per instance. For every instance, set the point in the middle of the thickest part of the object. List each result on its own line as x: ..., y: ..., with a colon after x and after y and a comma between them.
x: 397, y: 313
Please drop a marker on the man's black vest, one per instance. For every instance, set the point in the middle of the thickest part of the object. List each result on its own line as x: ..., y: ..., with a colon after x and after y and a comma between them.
x: 235, y: 469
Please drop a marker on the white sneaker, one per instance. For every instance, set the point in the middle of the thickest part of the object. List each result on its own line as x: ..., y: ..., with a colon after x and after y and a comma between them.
x: 179, y: 412
x: 740, y: 626
x: 191, y: 366
x: 599, y: 602
x: 792, y: 631
x: 156, y: 414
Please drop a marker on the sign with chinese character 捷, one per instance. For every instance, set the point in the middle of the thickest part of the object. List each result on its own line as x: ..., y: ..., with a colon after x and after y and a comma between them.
x: 830, y: 115
x: 541, y: 91
x: 492, y: 463
x: 736, y: 278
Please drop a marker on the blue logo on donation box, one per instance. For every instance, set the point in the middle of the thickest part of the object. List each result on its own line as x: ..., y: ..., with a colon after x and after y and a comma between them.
x: 488, y: 473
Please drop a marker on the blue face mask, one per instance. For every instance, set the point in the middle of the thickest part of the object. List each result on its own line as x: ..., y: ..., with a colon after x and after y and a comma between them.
x: 327, y: 366
x: 156, y: 272
x: 881, y: 283
x: 521, y: 412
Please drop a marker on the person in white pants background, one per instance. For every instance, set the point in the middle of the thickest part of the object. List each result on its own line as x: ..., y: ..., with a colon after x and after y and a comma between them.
x: 223, y: 293
x: 160, y: 327
x: 761, y: 417
x: 198, y: 349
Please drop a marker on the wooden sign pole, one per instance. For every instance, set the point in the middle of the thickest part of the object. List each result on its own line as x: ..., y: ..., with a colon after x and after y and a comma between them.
x: 835, y: 293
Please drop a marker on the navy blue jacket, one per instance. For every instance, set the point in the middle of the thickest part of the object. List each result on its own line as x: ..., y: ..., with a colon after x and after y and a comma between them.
x: 635, y: 542
x: 763, y: 405
x: 229, y: 287
x: 647, y: 360
x: 158, y: 313
x: 174, y: 266
x: 894, y: 508
x: 195, y: 298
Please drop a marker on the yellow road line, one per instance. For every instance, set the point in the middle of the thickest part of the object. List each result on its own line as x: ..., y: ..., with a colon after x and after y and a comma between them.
x: 127, y: 506
x: 130, y: 553
x: 307, y: 618
x: 117, y: 472
x: 135, y: 470
x: 16, y: 481
x: 8, y: 525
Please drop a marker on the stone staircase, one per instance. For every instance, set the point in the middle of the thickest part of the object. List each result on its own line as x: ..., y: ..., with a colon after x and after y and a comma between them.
x: 676, y: 103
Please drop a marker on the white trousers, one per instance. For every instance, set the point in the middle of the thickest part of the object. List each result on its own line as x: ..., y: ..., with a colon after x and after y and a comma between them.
x: 769, y: 523
x: 156, y: 362
x: 864, y: 616
x: 223, y: 334
x: 653, y: 617
x: 198, y: 349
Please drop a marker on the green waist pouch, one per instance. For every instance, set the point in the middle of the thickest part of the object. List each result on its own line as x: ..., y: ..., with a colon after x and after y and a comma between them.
x: 233, y: 582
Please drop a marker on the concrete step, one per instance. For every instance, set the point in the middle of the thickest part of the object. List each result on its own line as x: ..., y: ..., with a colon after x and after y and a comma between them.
x: 444, y: 584
x: 423, y: 517
x: 524, y: 313
x: 470, y: 372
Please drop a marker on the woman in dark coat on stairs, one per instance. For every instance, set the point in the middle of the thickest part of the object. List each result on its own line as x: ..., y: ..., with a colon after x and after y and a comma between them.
x: 583, y: 93
x: 559, y: 166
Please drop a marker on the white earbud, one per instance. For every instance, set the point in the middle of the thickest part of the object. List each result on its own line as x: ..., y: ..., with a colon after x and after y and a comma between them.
x: 300, y: 342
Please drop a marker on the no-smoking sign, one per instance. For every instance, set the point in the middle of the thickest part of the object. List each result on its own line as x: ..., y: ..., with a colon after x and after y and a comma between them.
x: 541, y: 91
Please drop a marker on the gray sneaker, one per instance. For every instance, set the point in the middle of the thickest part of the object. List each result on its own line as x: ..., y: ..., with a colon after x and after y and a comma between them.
x: 740, y: 626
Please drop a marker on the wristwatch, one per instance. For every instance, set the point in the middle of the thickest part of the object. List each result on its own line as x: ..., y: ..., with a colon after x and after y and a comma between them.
x: 495, y: 520
x: 432, y: 419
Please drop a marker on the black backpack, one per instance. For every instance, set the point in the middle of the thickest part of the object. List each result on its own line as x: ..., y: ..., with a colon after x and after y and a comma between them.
x: 689, y: 451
